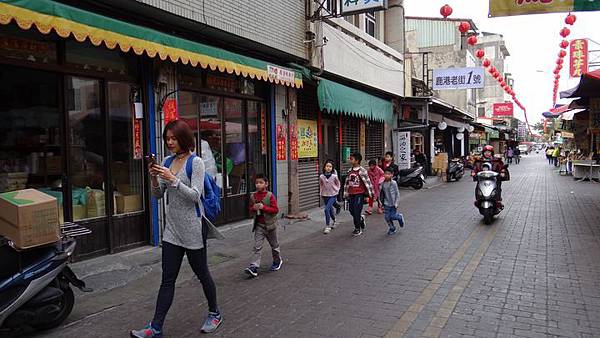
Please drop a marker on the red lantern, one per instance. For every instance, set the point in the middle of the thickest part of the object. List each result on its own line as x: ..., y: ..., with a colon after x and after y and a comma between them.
x: 557, y: 76
x: 559, y: 67
x: 502, y: 84
x: 479, y: 53
x: 496, y: 75
x: 486, y: 63
x: 464, y: 27
x: 446, y: 11
x: 562, y: 53
x: 570, y: 20
x: 565, y: 32
x: 492, y: 69
x: 472, y: 40
x: 564, y: 44
x: 560, y: 61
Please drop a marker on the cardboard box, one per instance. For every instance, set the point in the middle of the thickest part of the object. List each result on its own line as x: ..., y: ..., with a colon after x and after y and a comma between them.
x: 13, y: 181
x: 29, y: 218
x: 128, y: 203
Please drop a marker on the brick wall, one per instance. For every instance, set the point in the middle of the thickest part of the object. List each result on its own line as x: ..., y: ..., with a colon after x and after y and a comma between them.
x: 278, y: 24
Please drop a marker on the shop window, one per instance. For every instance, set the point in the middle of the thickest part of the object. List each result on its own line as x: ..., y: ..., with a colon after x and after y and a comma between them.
x: 87, y: 147
x: 89, y: 57
x: 28, y: 46
x: 418, y: 142
x: 126, y: 166
x: 235, y: 148
x: 30, y: 152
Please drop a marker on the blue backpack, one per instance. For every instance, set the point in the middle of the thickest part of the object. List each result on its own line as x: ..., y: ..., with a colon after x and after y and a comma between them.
x: 211, y: 200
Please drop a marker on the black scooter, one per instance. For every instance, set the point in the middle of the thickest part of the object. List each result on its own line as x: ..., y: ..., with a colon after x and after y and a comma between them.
x: 35, y: 285
x: 456, y: 170
x: 412, y: 177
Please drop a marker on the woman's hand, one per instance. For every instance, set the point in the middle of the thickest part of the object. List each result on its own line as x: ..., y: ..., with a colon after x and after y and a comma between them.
x: 152, y: 170
x: 164, y: 173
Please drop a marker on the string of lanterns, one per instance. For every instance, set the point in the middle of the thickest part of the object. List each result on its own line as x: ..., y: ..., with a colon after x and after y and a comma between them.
x: 464, y: 27
x: 562, y: 53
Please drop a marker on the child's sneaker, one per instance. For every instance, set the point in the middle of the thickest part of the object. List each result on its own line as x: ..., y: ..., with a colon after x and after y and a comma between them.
x: 369, y: 211
x: 363, y: 223
x: 379, y: 210
x: 327, y: 230
x: 401, y: 221
x: 252, y: 271
x: 212, y: 322
x: 147, y: 332
x: 392, y: 230
x: 277, y: 265
x: 357, y: 232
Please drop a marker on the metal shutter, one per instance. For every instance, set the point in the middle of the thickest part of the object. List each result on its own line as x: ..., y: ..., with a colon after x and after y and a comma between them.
x: 350, y: 136
x: 374, y: 141
x: 308, y: 168
x: 308, y: 181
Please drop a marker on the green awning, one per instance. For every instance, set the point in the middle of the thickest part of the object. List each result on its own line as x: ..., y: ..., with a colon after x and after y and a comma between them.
x: 339, y: 99
x: 48, y: 15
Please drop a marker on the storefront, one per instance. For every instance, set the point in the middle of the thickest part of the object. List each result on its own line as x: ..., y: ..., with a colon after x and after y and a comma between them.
x: 70, y: 129
x: 85, y: 97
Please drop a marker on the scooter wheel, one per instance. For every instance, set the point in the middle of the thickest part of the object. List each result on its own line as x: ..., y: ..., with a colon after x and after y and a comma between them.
x: 487, y: 218
x: 418, y: 185
x: 66, y: 306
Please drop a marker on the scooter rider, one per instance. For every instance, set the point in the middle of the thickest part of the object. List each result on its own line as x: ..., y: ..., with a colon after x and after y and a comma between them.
x: 497, y: 166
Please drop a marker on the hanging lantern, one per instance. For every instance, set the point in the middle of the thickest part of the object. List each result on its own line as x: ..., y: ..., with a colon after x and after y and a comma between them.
x: 570, y: 20
x: 464, y: 27
x: 562, y: 53
x: 565, y: 32
x: 559, y: 67
x: 486, y: 63
x: 472, y: 40
x: 460, y: 136
x: 446, y: 11
x: 556, y: 71
x: 492, y: 69
x: 557, y: 76
x: 496, y: 75
x: 560, y: 61
x: 564, y: 44
x: 480, y: 53
x: 470, y: 129
x: 502, y: 84
x: 442, y: 125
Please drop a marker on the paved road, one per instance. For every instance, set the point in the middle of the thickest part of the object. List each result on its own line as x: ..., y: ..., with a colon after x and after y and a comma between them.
x: 534, y: 272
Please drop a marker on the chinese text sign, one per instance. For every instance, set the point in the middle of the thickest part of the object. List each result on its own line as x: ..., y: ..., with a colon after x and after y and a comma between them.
x: 458, y: 78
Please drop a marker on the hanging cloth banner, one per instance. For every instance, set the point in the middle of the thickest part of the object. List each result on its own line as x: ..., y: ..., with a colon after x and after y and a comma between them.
x: 520, y: 7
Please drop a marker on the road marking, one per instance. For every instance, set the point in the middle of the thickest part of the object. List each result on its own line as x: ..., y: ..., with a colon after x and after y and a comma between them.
x: 413, y: 311
x: 443, y: 314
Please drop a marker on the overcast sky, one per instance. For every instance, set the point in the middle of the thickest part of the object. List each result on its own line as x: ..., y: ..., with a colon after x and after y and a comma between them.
x: 532, y: 41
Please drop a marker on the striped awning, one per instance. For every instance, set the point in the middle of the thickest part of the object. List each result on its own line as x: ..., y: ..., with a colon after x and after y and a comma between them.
x: 66, y: 21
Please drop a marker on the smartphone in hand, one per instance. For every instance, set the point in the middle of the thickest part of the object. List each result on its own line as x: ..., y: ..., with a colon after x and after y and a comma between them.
x: 151, y: 159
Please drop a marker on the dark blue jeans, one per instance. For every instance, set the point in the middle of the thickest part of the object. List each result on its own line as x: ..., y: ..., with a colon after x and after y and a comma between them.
x: 172, y: 256
x: 329, y: 210
x: 355, y: 204
x: 391, y: 215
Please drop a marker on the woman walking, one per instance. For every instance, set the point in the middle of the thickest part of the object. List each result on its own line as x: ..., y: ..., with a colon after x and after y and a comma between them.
x: 185, y: 231
x: 329, y: 185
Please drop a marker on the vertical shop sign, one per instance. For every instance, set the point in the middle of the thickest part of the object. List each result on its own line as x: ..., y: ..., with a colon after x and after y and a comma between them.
x: 402, y: 149
x: 263, y: 131
x: 170, y: 110
x: 137, y: 139
x: 281, y: 144
x: 308, y: 143
x: 293, y: 143
x: 362, y: 140
x: 579, y: 57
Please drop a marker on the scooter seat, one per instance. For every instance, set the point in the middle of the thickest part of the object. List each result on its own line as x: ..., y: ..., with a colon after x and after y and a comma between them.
x: 13, y: 261
x: 406, y: 172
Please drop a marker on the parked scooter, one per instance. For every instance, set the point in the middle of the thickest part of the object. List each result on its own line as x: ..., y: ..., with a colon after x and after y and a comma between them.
x: 486, y: 193
x: 412, y: 177
x: 35, y: 289
x: 456, y: 169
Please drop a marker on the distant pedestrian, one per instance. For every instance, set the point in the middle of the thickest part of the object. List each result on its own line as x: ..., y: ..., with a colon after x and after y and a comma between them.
x: 549, y: 152
x: 357, y: 186
x: 517, y: 155
x: 390, y: 197
x: 186, y: 231
x: 510, y: 154
x: 263, y: 206
x: 555, y: 156
x: 329, y: 185
x: 376, y: 177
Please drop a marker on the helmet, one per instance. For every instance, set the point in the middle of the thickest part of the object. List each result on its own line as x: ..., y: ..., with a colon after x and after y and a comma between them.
x: 488, y: 148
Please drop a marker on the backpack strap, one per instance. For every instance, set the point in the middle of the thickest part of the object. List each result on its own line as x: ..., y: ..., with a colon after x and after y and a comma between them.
x: 169, y: 161
x: 189, y: 166
x: 267, y: 200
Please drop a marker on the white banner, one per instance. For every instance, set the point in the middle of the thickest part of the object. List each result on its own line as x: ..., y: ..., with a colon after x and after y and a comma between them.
x: 361, y: 6
x: 458, y: 78
x: 402, y: 149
